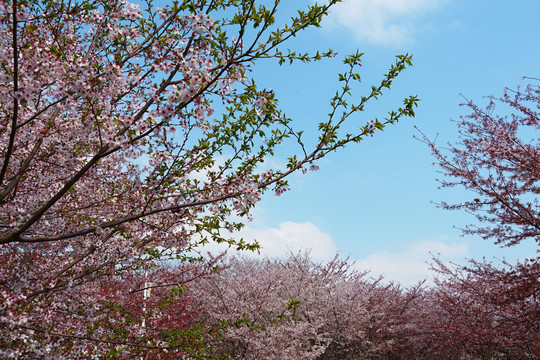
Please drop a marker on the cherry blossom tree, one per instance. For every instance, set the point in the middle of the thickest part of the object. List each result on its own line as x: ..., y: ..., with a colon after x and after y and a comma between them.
x: 497, y: 159
x: 483, y: 310
x: 136, y: 317
x: 296, y: 308
x: 114, y: 159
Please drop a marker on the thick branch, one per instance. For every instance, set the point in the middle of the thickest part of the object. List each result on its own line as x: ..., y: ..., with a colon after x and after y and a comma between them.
x: 14, y: 235
x: 15, y: 100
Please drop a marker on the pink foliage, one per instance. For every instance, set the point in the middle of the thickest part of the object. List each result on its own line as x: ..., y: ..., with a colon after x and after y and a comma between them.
x: 299, y: 309
x: 484, y: 311
x: 498, y: 159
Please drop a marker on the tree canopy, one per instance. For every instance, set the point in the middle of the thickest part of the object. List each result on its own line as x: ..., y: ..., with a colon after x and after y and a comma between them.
x: 130, y: 133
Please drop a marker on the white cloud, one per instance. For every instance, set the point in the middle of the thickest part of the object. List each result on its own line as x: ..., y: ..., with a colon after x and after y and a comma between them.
x: 410, y: 265
x: 288, y: 237
x: 407, y: 265
x: 388, y: 22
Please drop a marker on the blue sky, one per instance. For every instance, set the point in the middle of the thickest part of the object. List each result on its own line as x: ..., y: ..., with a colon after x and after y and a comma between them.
x: 372, y: 201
